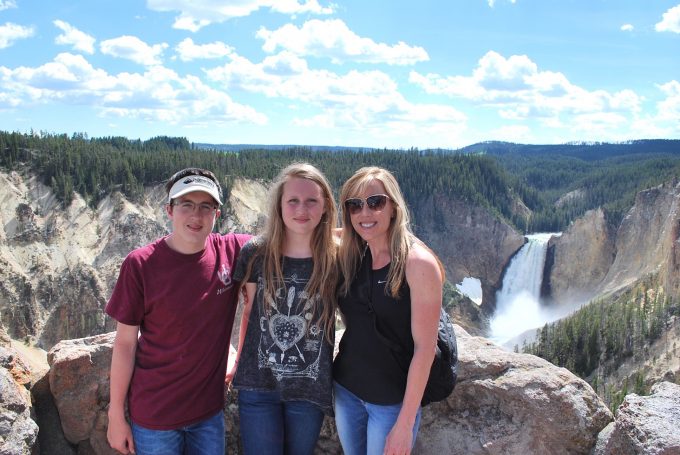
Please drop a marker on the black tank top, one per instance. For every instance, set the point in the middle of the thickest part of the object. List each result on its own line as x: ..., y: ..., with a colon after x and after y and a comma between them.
x: 365, y: 365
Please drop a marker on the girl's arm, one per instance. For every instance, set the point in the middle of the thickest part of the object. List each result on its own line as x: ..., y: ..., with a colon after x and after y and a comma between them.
x: 425, y: 281
x: 250, y: 289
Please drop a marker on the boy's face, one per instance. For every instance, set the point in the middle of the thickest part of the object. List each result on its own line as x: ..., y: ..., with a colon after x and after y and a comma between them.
x: 193, y: 218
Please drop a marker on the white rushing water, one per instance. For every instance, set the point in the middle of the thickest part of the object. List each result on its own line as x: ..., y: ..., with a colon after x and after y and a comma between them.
x: 518, y: 302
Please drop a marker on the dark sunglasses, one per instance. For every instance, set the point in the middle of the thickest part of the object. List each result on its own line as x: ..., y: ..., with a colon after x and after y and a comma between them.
x: 375, y: 203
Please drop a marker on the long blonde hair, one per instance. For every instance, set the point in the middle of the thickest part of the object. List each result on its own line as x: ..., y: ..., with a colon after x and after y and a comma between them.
x: 400, y: 237
x: 324, y: 247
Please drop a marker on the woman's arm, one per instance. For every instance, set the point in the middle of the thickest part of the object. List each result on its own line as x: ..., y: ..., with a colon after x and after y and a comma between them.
x: 247, y: 307
x: 425, y: 281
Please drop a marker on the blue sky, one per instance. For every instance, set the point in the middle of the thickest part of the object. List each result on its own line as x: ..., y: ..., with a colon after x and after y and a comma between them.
x: 395, y: 74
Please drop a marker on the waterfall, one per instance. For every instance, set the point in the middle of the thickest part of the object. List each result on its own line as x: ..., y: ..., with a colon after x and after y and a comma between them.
x: 518, y: 302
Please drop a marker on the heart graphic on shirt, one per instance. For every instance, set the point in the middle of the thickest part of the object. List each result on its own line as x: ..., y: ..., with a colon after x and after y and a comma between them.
x: 287, y: 330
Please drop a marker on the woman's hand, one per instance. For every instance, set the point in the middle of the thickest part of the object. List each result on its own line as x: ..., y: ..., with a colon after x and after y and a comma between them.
x: 399, y: 440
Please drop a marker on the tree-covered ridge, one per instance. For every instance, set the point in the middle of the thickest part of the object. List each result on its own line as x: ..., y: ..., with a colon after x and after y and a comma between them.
x: 603, y: 334
x: 600, y: 175
x: 93, y: 167
x: 488, y: 174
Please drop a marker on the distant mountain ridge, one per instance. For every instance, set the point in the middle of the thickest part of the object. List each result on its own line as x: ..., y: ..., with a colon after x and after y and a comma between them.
x: 582, y: 150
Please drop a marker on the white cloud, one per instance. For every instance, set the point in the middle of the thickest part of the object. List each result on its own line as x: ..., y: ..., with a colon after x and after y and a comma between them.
x: 333, y: 39
x: 157, y: 94
x: 188, y: 51
x: 669, y: 108
x: 196, y: 14
x: 358, y: 100
x: 519, y: 91
x: 132, y: 48
x: 10, y: 32
x: 627, y: 28
x: 80, y: 41
x: 670, y: 21
x: 7, y: 4
x: 493, y: 2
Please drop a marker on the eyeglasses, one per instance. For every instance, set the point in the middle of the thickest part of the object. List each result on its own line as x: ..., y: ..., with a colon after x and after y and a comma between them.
x: 375, y: 203
x: 189, y: 207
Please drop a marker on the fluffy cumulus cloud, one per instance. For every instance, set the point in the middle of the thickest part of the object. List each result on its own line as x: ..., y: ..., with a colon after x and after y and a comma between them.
x: 196, y: 14
x: 670, y: 21
x: 334, y: 40
x: 627, y: 28
x: 132, y: 48
x: 358, y: 100
x: 158, y: 94
x: 187, y: 50
x: 71, y: 36
x: 520, y: 92
x: 669, y: 108
x: 9, y: 33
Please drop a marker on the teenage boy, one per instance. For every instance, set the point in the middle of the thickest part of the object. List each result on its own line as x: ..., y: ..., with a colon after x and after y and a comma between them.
x: 175, y: 303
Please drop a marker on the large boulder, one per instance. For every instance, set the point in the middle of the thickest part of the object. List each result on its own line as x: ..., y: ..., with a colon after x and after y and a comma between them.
x: 79, y: 382
x: 504, y: 403
x: 508, y: 403
x: 645, y: 425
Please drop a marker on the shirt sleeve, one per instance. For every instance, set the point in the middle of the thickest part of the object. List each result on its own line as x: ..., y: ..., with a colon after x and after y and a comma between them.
x: 244, y: 258
x: 126, y: 304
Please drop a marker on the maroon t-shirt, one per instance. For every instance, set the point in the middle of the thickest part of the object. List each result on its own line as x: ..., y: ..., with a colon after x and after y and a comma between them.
x: 184, y: 305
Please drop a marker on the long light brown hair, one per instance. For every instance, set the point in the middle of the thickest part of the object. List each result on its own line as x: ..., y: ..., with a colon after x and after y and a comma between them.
x: 400, y: 237
x: 323, y: 281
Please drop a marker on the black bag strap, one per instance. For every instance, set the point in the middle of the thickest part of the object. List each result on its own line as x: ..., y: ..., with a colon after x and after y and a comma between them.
x: 367, y: 275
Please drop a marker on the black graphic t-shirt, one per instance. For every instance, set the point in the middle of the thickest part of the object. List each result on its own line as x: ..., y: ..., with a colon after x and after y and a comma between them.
x: 285, y: 348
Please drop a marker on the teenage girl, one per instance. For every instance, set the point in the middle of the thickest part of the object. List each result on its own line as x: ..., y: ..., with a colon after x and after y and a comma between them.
x: 284, y: 361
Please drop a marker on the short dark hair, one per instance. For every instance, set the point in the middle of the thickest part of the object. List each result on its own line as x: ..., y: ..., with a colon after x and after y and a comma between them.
x: 192, y: 171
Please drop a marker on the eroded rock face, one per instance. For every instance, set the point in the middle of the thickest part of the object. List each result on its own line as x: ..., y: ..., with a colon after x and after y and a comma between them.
x: 645, y: 425
x: 504, y: 403
x: 58, y: 265
x: 581, y: 258
x: 471, y: 241
x: 647, y: 240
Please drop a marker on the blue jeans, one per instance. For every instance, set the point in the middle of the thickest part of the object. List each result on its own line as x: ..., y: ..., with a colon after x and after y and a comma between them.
x: 271, y: 426
x: 203, y: 438
x: 363, y: 427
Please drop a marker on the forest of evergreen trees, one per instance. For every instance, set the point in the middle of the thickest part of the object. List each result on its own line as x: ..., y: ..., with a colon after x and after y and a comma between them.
x: 493, y: 175
x: 603, y: 334
x: 95, y: 167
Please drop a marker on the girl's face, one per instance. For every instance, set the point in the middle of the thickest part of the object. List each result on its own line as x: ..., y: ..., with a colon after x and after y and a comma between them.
x: 372, y: 221
x: 302, y: 206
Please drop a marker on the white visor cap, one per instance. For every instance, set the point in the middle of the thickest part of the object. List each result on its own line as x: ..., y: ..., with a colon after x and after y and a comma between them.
x: 192, y: 183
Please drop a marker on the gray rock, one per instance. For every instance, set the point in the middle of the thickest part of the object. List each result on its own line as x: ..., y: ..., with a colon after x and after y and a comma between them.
x: 18, y: 431
x: 645, y: 424
x: 508, y: 403
x: 504, y: 403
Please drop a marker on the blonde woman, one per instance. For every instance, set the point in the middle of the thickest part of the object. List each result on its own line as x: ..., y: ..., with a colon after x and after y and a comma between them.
x: 392, y: 288
x: 284, y: 361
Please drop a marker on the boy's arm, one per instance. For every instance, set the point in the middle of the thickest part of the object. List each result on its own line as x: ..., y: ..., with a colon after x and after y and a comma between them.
x: 119, y: 433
